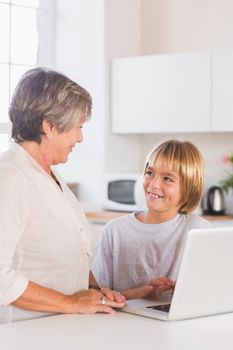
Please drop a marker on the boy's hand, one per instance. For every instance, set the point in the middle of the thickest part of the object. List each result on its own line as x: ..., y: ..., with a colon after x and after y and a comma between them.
x: 154, y: 288
x: 161, y: 285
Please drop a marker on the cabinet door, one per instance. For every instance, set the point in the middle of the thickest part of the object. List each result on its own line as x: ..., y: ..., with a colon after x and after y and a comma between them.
x: 222, y: 90
x: 161, y: 93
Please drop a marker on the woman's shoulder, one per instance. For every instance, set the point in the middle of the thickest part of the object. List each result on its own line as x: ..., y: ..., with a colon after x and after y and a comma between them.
x: 11, y: 174
x: 10, y: 159
x: 9, y: 169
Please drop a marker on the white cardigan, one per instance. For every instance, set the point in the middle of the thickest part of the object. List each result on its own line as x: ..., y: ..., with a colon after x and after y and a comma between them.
x: 43, y: 233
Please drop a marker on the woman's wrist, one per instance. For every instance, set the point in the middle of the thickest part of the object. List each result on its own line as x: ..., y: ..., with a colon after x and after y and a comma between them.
x: 67, y: 304
x: 94, y: 286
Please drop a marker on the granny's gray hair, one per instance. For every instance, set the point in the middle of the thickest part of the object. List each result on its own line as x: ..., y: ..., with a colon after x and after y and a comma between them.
x: 46, y: 95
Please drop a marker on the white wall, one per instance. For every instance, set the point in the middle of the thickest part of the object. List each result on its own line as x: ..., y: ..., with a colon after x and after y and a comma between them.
x: 88, y: 34
x: 123, y: 28
x: 91, y: 32
x: 182, y: 26
x: 80, y: 54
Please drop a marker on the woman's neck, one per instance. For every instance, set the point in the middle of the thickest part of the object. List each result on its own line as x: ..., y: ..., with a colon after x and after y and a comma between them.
x: 38, y: 153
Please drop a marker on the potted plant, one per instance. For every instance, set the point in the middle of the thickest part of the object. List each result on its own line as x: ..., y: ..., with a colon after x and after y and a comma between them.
x: 227, y: 183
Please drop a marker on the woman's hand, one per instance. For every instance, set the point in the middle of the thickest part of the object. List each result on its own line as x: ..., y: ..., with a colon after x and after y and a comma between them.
x: 92, y: 301
x: 113, y: 295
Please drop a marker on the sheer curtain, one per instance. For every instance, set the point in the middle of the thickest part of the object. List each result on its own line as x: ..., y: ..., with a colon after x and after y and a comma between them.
x: 27, y: 36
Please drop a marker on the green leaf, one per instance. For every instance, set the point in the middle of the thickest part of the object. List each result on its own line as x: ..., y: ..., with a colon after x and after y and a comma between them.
x: 227, y: 184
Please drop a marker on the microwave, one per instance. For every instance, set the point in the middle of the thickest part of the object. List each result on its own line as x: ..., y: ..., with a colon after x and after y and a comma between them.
x: 124, y: 192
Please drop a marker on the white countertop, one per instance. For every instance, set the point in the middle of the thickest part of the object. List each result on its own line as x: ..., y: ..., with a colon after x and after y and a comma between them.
x: 119, y: 331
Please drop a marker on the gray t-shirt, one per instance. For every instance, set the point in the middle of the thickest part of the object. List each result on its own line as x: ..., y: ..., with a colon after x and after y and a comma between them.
x: 131, y: 253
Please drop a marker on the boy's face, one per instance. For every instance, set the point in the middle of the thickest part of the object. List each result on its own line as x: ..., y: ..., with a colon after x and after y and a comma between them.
x: 162, y: 190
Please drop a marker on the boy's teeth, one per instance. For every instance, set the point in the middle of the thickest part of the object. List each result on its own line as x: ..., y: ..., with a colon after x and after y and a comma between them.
x: 156, y: 195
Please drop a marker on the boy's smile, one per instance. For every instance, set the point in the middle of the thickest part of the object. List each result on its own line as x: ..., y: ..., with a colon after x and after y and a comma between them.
x: 154, y: 195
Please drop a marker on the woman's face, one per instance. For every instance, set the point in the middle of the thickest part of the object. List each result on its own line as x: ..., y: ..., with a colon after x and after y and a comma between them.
x: 62, y: 144
x: 162, y: 190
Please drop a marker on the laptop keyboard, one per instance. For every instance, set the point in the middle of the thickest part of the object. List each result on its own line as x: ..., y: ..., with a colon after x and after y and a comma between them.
x: 164, y: 307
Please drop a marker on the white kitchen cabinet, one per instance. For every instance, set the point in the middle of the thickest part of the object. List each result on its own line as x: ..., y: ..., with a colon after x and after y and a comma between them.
x: 222, y: 114
x: 161, y: 93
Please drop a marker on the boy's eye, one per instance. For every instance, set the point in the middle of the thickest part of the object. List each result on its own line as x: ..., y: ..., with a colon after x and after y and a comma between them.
x: 149, y: 173
x: 168, y: 179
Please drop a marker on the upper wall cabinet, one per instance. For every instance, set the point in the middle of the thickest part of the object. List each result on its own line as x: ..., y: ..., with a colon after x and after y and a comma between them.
x: 161, y: 93
x: 222, y: 119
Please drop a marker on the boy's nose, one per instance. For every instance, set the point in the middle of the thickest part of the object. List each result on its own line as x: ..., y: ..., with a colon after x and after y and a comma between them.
x: 155, y: 183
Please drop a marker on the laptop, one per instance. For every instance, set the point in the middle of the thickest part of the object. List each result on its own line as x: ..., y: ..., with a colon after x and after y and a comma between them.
x: 204, y: 284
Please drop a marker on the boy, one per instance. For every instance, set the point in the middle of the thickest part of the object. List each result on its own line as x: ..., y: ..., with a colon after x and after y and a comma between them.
x: 139, y: 254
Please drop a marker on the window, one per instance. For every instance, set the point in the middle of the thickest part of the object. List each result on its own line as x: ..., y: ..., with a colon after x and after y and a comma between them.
x: 18, y: 52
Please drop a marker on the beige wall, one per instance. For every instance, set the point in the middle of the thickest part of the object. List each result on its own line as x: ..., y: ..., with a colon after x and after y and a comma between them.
x: 190, y: 25
x: 186, y: 25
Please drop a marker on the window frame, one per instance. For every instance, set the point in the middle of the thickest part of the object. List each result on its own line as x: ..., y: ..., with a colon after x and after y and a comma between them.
x: 5, y: 126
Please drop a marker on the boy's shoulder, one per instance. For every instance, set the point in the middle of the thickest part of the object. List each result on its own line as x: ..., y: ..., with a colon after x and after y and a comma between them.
x: 121, y: 220
x: 196, y: 221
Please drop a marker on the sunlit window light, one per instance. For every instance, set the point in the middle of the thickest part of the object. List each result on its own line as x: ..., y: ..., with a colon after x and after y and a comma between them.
x: 18, y: 52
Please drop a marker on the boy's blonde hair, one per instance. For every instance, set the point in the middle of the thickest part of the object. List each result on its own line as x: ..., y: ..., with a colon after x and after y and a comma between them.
x: 185, y: 159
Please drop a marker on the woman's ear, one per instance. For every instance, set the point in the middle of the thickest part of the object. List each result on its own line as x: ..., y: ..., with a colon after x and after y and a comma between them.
x: 47, y: 129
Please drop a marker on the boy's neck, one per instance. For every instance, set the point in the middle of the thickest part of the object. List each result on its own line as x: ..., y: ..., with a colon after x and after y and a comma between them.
x: 150, y: 217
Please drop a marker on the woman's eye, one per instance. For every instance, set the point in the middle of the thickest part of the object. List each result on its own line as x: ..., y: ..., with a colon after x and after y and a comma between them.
x: 149, y: 173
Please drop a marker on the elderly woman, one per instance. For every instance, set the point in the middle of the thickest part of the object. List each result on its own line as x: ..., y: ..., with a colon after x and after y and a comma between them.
x: 44, y: 251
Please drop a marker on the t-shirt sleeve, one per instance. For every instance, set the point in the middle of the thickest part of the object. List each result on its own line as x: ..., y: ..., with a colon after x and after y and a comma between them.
x: 102, y: 264
x: 13, y: 212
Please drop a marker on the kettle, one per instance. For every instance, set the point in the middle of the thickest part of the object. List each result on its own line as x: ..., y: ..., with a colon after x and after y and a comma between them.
x: 214, y: 203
